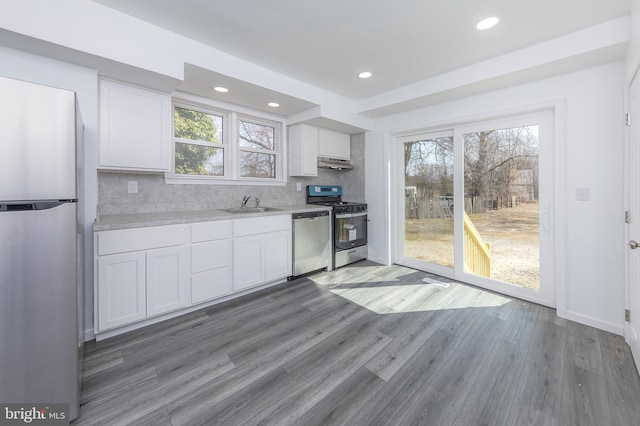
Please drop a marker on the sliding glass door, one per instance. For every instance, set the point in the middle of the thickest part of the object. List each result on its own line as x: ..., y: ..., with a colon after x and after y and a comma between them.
x: 476, y: 203
x: 428, y: 199
x: 501, y: 205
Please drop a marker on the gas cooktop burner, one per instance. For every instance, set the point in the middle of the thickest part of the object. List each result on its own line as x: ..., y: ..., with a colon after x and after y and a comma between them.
x: 332, y: 196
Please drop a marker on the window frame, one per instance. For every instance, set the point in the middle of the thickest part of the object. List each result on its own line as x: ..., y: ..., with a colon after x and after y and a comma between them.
x: 277, y: 141
x: 224, y: 143
x: 232, y: 115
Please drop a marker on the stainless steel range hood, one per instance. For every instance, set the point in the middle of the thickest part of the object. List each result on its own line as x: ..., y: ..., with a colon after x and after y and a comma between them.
x: 334, y: 163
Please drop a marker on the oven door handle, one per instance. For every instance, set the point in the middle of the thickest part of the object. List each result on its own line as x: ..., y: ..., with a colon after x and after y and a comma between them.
x: 349, y: 215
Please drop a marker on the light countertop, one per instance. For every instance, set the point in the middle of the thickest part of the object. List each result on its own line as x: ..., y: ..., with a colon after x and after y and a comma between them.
x: 139, y: 220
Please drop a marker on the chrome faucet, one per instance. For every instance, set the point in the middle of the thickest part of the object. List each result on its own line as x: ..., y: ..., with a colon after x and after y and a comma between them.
x: 247, y: 198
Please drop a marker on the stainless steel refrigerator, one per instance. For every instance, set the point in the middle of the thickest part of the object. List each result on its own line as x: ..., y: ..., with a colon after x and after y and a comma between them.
x: 40, y: 245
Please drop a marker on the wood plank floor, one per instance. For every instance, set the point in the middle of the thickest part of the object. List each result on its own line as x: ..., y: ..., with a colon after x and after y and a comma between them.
x: 363, y: 345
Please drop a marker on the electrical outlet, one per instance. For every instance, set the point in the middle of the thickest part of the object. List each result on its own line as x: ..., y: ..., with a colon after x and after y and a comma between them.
x: 132, y: 186
x: 298, y: 186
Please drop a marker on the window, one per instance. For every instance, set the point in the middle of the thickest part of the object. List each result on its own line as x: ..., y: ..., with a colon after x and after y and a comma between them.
x: 257, y: 149
x: 212, y: 145
x: 199, y: 147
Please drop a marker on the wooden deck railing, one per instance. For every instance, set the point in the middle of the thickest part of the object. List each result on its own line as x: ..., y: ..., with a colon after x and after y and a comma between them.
x: 477, y: 253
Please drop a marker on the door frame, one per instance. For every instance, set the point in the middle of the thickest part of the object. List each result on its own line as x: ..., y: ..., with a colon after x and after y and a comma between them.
x: 556, y: 109
x: 631, y: 337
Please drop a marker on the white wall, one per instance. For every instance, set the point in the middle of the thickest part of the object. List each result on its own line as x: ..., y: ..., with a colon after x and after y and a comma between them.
x: 120, y: 46
x: 633, y: 57
x: 37, y: 69
x: 591, y: 280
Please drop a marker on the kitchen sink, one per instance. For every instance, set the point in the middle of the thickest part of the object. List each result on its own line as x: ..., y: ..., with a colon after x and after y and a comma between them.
x: 250, y: 209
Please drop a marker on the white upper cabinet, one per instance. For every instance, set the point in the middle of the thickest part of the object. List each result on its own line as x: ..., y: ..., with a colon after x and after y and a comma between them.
x: 307, y: 143
x: 135, y: 128
x: 334, y: 144
x: 303, y: 150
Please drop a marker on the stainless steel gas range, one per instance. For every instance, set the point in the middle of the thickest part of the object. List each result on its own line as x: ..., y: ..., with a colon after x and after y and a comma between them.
x: 349, y: 223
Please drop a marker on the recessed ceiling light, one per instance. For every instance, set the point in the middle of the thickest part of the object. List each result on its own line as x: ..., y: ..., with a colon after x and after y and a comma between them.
x: 221, y: 89
x: 273, y: 104
x: 485, y: 24
x: 365, y: 74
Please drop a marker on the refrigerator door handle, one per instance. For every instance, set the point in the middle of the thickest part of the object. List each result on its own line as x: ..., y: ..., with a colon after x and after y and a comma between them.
x: 33, y: 205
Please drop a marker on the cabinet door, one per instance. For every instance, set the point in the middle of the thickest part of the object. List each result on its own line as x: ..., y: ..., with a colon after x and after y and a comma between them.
x: 277, y: 255
x: 135, y: 128
x: 248, y: 262
x: 303, y: 150
x: 334, y: 144
x: 121, y: 290
x: 166, y: 280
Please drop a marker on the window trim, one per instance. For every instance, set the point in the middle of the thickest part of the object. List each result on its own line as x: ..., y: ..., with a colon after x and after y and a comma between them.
x: 232, y: 115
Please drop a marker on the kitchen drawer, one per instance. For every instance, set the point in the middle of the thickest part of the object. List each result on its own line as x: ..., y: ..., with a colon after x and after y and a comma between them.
x: 211, y: 231
x: 210, y: 255
x: 260, y: 225
x: 211, y: 284
x: 125, y: 240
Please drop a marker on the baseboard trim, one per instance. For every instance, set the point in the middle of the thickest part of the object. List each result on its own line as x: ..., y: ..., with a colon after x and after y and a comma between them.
x: 153, y: 320
x: 594, y: 322
x: 89, y: 335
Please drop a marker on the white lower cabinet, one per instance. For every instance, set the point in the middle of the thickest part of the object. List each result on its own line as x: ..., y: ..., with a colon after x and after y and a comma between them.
x: 134, y: 286
x: 212, y: 284
x: 211, y: 261
x: 166, y: 280
x: 278, y: 256
x: 141, y: 273
x: 147, y: 272
x: 121, y: 290
x: 249, y: 265
x: 261, y: 250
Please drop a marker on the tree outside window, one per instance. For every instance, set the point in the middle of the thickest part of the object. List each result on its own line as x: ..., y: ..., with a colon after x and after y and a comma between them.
x: 251, y: 152
x: 197, y: 133
x: 257, y: 150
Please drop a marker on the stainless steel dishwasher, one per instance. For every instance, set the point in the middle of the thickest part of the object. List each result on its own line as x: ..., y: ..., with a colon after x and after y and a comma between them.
x: 311, y: 241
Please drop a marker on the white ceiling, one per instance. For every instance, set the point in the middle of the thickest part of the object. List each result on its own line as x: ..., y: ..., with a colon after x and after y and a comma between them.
x: 326, y: 43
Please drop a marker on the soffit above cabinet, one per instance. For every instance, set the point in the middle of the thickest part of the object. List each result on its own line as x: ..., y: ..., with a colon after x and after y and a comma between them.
x: 200, y: 81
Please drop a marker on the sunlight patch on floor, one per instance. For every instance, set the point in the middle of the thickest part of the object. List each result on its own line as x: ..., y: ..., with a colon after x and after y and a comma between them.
x: 420, y: 297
